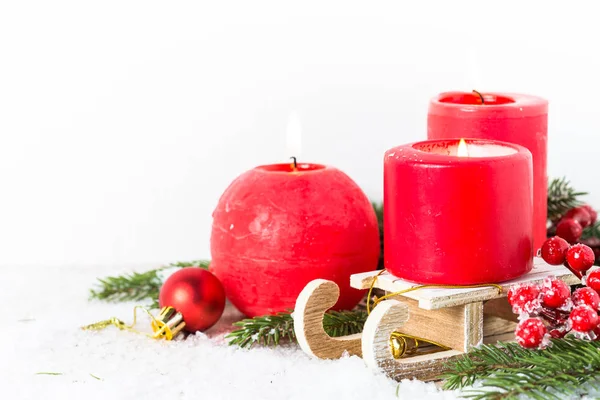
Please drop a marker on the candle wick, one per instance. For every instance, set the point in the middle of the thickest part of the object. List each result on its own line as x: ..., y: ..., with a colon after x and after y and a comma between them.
x: 294, y: 163
x: 480, y: 96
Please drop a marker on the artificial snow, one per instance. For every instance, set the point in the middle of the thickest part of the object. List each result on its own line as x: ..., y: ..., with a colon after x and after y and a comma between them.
x: 44, y: 309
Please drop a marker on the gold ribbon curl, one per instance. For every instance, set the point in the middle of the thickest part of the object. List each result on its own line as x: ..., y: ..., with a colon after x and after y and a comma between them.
x: 167, y: 325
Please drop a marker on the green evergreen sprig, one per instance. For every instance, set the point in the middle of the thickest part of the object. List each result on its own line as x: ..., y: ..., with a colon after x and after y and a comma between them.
x: 561, y: 198
x: 270, y: 330
x: 591, y: 231
x: 137, y: 285
x: 508, y: 371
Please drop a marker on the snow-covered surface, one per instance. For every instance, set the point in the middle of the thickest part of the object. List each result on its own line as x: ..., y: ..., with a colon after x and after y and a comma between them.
x: 44, y: 308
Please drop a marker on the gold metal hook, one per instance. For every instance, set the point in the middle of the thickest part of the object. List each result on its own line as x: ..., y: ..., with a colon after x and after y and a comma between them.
x: 399, y: 345
x: 399, y: 342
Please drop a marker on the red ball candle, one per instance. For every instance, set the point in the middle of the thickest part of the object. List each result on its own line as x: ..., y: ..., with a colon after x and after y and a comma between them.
x: 277, y: 228
x: 458, y: 217
x: 514, y: 118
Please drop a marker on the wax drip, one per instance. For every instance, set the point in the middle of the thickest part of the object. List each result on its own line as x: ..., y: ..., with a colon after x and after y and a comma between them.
x: 480, y: 96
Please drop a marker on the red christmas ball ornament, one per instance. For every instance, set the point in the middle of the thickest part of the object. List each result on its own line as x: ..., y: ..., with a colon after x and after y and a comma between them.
x: 593, y: 213
x: 592, y: 280
x: 278, y: 227
x: 587, y: 296
x: 583, y: 319
x: 195, y: 293
x: 524, y: 298
x: 531, y: 333
x: 569, y: 229
x: 554, y: 249
x: 555, y: 293
x: 580, y: 257
x: 594, y: 243
x: 579, y: 214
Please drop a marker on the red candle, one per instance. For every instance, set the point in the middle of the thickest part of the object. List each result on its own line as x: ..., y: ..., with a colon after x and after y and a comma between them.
x: 514, y: 118
x: 452, y: 218
x: 277, y: 228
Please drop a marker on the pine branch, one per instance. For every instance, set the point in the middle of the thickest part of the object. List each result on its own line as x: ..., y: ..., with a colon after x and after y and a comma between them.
x: 137, y: 285
x: 378, y: 207
x: 271, y: 329
x: 592, y: 231
x: 267, y: 330
x: 481, y: 363
x: 561, y: 198
x: 508, y: 371
x: 343, y: 323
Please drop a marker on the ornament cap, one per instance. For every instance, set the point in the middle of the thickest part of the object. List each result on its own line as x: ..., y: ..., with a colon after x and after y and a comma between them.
x: 168, y: 325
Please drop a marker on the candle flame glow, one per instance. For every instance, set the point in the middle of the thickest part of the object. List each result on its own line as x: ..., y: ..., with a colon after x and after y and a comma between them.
x: 294, y: 136
x: 463, y: 149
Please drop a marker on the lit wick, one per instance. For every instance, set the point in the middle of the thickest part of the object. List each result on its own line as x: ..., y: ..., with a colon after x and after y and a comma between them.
x: 293, y: 139
x: 480, y: 96
x: 462, y: 150
x: 294, y: 164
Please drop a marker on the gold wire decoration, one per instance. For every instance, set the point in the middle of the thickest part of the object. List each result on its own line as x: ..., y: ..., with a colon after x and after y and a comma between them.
x: 399, y: 342
x: 168, y: 325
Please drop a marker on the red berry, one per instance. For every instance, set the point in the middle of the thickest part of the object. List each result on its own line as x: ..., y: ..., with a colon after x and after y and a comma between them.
x: 580, y: 257
x: 569, y: 229
x: 592, y: 212
x: 594, y: 243
x: 587, y: 296
x: 583, y: 319
x: 555, y: 293
x: 530, y: 333
x: 524, y: 298
x: 554, y: 249
x: 579, y: 214
x: 592, y: 280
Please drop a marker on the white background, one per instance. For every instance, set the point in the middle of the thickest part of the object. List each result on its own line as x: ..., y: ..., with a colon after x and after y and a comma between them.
x: 122, y: 122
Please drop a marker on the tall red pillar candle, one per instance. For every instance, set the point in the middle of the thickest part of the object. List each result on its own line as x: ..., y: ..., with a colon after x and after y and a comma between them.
x: 275, y: 229
x: 514, y: 118
x: 458, y: 219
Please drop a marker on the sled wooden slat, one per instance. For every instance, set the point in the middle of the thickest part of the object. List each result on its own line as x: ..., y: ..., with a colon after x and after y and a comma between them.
x: 433, y: 299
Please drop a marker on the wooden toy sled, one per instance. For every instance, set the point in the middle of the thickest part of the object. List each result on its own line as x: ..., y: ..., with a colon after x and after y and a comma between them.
x: 454, y: 319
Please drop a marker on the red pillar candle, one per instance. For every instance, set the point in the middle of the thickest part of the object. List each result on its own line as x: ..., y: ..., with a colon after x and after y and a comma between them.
x: 461, y: 220
x: 514, y: 118
x: 275, y: 229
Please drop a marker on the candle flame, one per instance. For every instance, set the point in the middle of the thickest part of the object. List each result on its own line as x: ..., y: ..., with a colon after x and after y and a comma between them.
x: 463, y: 150
x: 294, y: 136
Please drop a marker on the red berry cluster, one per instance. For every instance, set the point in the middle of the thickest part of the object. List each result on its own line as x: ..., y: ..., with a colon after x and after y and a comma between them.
x: 571, y: 225
x: 550, y: 310
x: 578, y: 258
